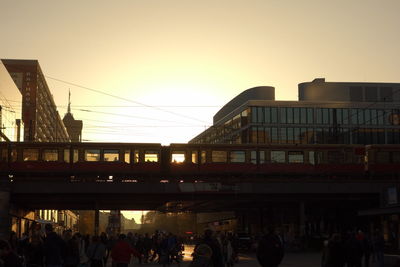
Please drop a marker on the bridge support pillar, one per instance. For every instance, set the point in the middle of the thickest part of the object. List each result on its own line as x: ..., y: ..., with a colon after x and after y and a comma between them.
x: 5, y: 218
x: 302, y: 218
x: 96, y: 221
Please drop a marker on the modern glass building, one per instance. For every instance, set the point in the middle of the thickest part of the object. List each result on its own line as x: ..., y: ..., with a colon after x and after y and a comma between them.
x: 326, y: 113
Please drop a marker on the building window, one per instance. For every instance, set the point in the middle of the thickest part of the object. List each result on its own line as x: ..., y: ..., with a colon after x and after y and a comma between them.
x: 386, y: 94
x: 290, y: 136
x: 283, y: 136
x: 325, y: 116
x: 289, y: 115
x: 319, y: 116
x: 345, y: 114
x: 274, y: 115
x: 356, y: 93
x: 303, y: 115
x: 354, y: 116
x: 260, y: 114
x: 296, y: 115
x: 374, y: 116
x: 274, y: 135
x: 260, y: 135
x: 371, y: 94
x: 283, y: 115
x: 267, y: 115
x: 367, y: 116
x: 381, y: 116
x: 254, y: 114
x: 360, y: 116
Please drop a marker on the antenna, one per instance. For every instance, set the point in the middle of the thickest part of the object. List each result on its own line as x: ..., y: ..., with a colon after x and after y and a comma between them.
x: 69, y: 100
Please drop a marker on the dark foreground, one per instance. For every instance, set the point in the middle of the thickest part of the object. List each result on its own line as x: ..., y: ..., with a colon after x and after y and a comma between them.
x: 304, y: 259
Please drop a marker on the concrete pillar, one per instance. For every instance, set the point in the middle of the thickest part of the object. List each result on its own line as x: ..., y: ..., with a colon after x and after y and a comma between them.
x: 302, y: 218
x: 96, y: 221
x: 5, y: 218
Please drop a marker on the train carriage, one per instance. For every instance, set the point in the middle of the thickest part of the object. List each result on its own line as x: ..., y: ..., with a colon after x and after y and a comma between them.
x: 383, y: 161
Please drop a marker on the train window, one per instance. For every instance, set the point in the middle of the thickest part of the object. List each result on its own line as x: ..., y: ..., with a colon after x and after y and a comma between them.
x: 296, y: 157
x: 218, y: 156
x: 127, y: 156
x: 76, y: 155
x: 203, y: 157
x: 50, y: 155
x: 92, y: 154
x: 14, y: 155
x: 194, y: 157
x: 178, y: 156
x: 66, y: 155
x: 278, y: 157
x: 382, y: 157
x: 396, y: 157
x: 30, y: 154
x: 111, y: 155
x: 150, y: 156
x: 238, y: 156
x: 311, y: 157
x: 253, y: 157
x: 136, y: 156
x: 335, y: 157
x: 262, y: 157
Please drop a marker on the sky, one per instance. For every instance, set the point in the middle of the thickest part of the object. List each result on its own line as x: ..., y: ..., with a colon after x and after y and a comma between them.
x: 158, y: 70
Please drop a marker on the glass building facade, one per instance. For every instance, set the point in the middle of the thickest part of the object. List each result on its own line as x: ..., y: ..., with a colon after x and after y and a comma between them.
x: 307, y: 122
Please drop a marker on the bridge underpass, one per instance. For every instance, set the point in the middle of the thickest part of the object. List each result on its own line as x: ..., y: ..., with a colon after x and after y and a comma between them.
x: 243, y: 198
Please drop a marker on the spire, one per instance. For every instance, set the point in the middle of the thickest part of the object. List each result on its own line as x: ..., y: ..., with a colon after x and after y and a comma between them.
x: 69, y: 101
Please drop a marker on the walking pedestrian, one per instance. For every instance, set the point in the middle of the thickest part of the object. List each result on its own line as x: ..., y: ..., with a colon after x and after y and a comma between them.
x: 54, y: 248
x: 270, y: 250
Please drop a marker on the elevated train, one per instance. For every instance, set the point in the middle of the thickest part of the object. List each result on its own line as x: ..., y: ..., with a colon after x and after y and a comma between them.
x: 141, y: 162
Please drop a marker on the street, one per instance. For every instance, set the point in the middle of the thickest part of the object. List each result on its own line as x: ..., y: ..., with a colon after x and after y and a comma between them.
x: 294, y: 259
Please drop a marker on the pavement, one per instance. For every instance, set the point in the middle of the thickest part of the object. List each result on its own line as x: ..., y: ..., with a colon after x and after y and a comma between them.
x: 291, y: 259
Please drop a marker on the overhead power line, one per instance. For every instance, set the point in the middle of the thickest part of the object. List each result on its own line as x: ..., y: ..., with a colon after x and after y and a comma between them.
x: 125, y: 99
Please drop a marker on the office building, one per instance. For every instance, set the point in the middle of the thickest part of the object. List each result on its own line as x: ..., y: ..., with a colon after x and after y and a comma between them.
x: 326, y: 113
x: 42, y: 123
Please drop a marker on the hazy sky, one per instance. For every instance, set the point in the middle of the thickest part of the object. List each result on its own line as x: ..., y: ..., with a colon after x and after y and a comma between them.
x: 191, y: 57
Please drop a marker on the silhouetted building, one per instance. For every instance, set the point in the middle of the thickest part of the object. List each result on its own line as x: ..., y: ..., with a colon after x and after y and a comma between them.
x: 327, y: 113
x: 74, y: 127
x: 39, y: 112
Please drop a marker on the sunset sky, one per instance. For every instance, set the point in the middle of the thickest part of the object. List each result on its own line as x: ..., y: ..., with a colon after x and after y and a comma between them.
x: 173, y: 64
x: 167, y: 66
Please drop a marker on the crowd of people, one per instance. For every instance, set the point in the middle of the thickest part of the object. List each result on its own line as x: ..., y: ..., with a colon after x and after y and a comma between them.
x: 49, y: 249
x: 74, y: 250
x: 354, y: 249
